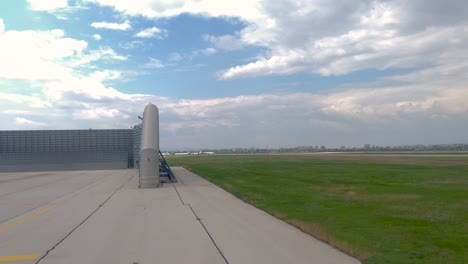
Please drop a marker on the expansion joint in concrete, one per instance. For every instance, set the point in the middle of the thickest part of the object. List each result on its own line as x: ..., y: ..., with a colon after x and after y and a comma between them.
x: 35, y: 208
x: 82, y: 222
x: 201, y: 223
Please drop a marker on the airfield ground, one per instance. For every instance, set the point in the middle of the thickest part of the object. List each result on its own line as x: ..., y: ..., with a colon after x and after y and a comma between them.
x: 382, y: 209
x: 78, y: 217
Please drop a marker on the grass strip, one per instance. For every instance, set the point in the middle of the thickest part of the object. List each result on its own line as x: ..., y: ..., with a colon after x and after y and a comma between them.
x: 378, y: 209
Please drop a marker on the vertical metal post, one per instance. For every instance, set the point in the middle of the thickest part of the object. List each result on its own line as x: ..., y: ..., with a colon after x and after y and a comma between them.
x: 149, y: 148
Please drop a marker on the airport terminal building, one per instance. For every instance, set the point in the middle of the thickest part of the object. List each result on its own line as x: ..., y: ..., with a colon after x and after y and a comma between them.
x: 85, y: 149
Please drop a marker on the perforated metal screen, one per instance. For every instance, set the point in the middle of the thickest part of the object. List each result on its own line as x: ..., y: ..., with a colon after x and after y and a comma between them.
x: 30, y: 150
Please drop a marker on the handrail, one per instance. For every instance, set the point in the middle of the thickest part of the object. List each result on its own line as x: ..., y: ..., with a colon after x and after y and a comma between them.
x: 166, y: 168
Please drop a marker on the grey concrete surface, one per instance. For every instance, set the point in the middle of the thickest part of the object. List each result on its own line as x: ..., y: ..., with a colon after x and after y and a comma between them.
x: 102, y: 217
x: 139, y: 226
x: 68, y: 197
x: 246, y: 234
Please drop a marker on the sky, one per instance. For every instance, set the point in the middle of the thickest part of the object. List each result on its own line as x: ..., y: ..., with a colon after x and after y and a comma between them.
x: 241, y: 73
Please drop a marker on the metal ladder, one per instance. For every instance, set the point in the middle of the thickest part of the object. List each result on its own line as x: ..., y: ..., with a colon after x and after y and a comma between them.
x: 165, y: 172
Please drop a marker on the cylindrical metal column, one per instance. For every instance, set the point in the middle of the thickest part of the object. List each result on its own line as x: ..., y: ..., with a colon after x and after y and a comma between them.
x: 149, y: 148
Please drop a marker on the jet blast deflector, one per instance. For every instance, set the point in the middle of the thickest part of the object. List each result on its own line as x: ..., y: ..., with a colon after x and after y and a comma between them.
x: 149, y: 148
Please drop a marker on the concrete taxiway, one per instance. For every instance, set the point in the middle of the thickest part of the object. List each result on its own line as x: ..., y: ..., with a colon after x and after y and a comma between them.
x: 102, y: 217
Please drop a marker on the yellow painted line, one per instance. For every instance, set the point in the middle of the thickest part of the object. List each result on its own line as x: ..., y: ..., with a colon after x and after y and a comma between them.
x: 27, y: 218
x: 18, y: 257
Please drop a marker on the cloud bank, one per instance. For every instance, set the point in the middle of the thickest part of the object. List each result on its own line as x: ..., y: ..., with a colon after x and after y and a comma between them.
x: 328, y: 38
x: 426, y: 105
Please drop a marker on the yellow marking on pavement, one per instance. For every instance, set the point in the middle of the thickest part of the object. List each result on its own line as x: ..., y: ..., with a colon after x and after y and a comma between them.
x: 27, y: 218
x: 18, y: 257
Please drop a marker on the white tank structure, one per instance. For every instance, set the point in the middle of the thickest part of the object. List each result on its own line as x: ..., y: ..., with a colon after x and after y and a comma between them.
x: 149, y: 148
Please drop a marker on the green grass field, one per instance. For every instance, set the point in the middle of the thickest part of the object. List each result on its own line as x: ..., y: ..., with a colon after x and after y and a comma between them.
x: 378, y: 209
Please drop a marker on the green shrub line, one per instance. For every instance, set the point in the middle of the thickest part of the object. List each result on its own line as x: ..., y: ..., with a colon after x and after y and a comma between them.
x: 378, y: 209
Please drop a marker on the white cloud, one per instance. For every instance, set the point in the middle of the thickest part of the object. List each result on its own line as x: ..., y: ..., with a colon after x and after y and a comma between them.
x: 409, y: 111
x: 47, y: 55
x: 105, y: 75
x: 113, y: 26
x: 21, y: 101
x: 287, y: 63
x: 25, y: 121
x: 252, y: 12
x: 103, y: 54
x: 334, y: 39
x: 98, y: 113
x: 59, y: 77
x: 152, y: 32
x: 37, y: 55
x: 325, y: 37
x: 381, y: 14
x: 382, y: 115
x: 427, y: 105
x: 225, y: 42
x: 159, y: 9
x: 81, y: 89
x: 47, y: 5
x: 106, y: 53
x: 208, y: 51
x: 154, y: 63
x: 97, y: 37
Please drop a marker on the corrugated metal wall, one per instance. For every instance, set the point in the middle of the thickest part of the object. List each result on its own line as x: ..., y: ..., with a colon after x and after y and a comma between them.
x: 40, y: 150
x: 136, y: 145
